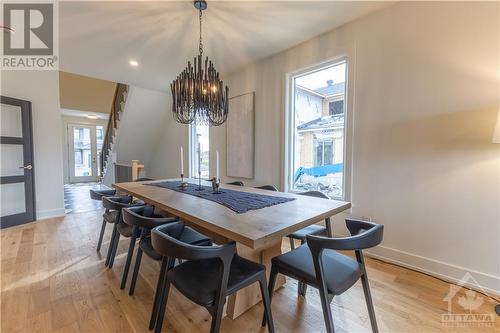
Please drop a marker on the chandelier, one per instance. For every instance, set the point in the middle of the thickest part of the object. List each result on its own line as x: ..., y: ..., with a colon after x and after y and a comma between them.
x: 198, y: 95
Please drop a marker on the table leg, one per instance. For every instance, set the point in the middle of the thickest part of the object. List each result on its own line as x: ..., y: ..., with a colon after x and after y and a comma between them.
x: 241, y: 301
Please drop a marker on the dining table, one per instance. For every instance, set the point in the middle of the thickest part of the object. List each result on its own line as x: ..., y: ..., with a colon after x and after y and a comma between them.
x: 258, y: 233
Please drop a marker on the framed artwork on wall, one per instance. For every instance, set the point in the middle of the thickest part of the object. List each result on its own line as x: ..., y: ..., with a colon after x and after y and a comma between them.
x: 240, y: 137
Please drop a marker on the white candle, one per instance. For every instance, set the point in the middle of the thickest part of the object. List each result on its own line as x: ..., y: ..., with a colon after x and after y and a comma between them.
x: 217, y: 164
x: 182, y: 161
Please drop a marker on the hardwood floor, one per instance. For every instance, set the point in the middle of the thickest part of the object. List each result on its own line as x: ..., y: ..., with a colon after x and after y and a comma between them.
x: 53, y: 280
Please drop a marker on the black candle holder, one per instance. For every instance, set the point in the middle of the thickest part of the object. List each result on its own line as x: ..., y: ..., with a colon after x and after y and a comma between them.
x: 199, y: 182
x: 183, y: 185
x: 216, y: 185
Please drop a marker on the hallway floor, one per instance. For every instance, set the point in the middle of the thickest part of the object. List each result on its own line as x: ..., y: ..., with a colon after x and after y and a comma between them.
x: 77, y: 198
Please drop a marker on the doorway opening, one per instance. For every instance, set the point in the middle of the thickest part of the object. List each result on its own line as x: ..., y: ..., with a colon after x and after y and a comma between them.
x: 85, y: 146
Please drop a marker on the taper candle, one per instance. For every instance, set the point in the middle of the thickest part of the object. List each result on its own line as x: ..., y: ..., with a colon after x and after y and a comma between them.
x: 182, y: 161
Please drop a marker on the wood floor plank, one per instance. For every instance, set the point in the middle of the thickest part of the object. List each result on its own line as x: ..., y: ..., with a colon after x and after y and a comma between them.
x: 53, y: 280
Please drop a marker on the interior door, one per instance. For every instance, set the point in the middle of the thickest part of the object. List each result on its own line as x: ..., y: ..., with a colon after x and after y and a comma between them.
x: 82, y: 153
x: 16, y: 166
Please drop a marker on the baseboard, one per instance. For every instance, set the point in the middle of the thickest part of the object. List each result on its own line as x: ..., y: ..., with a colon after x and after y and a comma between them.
x: 50, y: 213
x: 455, y: 274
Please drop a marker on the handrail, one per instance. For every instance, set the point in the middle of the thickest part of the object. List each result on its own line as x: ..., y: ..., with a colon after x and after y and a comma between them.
x: 118, y: 98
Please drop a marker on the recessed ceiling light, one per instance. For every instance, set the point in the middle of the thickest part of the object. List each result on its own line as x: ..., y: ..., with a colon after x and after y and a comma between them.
x: 92, y: 116
x: 133, y: 63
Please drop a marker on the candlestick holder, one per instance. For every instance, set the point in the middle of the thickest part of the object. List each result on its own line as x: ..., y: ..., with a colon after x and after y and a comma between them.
x: 183, y: 185
x: 216, y: 185
x: 199, y: 182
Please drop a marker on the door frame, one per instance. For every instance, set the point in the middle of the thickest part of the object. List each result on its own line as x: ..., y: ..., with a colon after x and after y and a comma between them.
x: 71, y: 153
x: 28, y: 156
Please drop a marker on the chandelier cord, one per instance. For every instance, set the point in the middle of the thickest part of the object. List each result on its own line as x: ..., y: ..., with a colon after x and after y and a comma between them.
x: 201, y: 43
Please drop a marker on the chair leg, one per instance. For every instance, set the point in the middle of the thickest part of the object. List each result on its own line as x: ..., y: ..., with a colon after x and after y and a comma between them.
x: 115, y: 249
x: 267, y: 304
x: 292, y: 244
x: 130, y: 254
x: 163, y: 305
x: 135, y: 274
x: 302, y: 290
x: 272, y: 280
x: 111, y: 245
x: 327, y: 311
x: 101, y: 236
x: 328, y: 225
x: 369, y: 302
x: 217, y: 316
x: 154, y: 311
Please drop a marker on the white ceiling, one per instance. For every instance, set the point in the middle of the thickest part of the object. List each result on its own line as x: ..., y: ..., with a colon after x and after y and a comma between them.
x: 83, y: 114
x: 98, y: 39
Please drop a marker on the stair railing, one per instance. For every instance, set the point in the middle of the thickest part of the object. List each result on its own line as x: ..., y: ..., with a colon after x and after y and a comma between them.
x: 116, y: 107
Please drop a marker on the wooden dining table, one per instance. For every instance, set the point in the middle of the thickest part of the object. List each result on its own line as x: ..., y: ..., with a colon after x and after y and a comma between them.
x: 258, y: 233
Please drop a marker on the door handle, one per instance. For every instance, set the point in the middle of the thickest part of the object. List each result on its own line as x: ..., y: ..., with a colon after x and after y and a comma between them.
x: 29, y: 167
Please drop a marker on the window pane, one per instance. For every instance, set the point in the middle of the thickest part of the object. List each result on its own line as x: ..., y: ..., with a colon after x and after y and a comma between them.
x: 13, y: 199
x: 83, y: 152
x: 11, y: 160
x: 11, y: 124
x: 319, y: 131
x: 200, y: 134
x: 99, y: 140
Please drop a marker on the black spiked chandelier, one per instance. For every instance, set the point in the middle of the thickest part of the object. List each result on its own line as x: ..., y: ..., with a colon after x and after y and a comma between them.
x: 198, y: 95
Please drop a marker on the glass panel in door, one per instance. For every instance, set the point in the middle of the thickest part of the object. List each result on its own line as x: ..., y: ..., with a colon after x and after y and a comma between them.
x: 82, y: 154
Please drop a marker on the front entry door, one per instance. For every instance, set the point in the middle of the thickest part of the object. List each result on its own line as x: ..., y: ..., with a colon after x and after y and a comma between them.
x: 82, y: 153
x: 16, y: 167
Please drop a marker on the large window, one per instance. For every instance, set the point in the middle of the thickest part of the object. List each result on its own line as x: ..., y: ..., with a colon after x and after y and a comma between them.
x: 199, y: 139
x: 317, y: 130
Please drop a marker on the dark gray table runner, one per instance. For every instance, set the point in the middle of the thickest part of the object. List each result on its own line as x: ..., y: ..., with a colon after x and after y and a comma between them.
x: 238, y: 201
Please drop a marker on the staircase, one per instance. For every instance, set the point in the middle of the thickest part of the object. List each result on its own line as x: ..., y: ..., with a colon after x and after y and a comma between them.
x: 117, y: 108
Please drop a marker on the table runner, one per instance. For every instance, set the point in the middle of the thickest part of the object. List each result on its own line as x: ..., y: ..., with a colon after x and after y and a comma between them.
x: 237, y: 201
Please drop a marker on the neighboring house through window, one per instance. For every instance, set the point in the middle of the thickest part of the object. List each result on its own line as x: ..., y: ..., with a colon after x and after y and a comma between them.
x: 318, y: 130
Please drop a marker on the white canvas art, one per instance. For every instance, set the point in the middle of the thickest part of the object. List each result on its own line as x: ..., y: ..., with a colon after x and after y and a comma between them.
x: 240, y: 136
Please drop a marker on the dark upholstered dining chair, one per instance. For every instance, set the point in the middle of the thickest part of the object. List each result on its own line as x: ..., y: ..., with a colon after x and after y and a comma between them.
x: 312, y: 229
x: 237, y: 183
x: 208, y: 277
x: 116, y: 203
x: 318, y: 264
x: 109, y: 216
x: 142, y: 219
x: 267, y: 187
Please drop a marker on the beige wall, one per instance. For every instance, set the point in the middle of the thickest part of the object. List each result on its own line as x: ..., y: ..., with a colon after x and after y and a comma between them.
x: 85, y: 93
x: 425, y: 99
x: 41, y: 88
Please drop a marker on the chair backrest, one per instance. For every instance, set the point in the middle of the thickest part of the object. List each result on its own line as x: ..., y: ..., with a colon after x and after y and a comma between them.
x: 268, y: 187
x: 316, y: 194
x: 165, y: 242
x: 364, y: 235
x: 143, y: 179
x: 98, y: 194
x: 144, y: 217
x: 116, y: 202
x: 237, y: 183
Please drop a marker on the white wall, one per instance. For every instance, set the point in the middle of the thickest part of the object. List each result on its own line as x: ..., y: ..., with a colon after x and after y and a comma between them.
x: 165, y: 162
x: 425, y: 99
x: 42, y: 89
x: 145, y: 121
